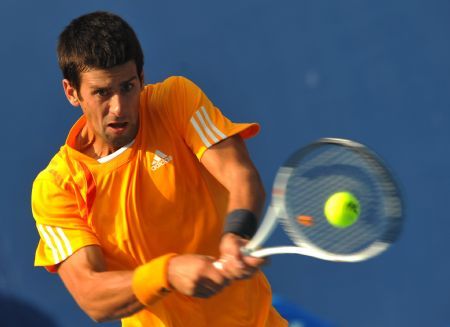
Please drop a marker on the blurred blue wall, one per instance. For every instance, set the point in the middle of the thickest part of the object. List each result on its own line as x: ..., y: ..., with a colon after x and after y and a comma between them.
x: 374, y: 71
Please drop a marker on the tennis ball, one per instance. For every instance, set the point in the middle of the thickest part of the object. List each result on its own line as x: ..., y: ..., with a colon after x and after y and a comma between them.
x: 342, y: 209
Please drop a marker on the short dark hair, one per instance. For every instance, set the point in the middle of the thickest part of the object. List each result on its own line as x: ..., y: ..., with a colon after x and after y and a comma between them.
x: 98, y: 40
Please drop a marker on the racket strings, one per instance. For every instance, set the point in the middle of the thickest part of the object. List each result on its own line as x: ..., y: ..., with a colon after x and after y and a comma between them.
x: 323, y: 171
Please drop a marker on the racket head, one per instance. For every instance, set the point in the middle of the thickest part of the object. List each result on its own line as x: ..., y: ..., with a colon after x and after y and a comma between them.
x: 330, y: 165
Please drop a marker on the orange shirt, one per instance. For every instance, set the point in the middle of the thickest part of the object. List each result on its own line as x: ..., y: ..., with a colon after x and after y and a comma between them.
x: 149, y: 199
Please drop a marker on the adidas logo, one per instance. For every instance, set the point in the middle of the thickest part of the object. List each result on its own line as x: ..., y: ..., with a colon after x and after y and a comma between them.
x: 160, y: 159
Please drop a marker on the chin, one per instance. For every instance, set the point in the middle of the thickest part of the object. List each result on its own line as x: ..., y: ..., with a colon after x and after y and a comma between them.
x: 121, y: 141
x: 118, y: 141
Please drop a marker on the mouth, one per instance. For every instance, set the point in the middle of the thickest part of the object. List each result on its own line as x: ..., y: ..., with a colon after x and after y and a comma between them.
x: 118, y: 127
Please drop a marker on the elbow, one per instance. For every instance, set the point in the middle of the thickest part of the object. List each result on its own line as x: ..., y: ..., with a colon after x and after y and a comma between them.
x: 95, y: 310
x: 99, y: 312
x: 104, y: 308
x: 100, y: 316
x: 97, y: 316
x: 98, y: 319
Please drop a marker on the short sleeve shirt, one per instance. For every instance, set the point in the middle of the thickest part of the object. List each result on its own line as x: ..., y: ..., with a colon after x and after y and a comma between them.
x: 153, y: 198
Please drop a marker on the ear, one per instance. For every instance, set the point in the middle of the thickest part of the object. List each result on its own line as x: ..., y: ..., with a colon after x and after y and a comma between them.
x: 71, y: 93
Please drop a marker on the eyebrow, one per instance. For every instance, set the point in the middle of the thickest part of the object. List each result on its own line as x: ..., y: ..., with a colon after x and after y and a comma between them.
x: 96, y: 87
x: 129, y: 80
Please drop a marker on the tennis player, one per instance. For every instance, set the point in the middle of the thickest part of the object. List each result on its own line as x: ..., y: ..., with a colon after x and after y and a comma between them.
x: 152, y: 185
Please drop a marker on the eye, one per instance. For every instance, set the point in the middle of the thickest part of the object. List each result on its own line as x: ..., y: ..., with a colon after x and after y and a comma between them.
x: 127, y: 87
x: 102, y: 92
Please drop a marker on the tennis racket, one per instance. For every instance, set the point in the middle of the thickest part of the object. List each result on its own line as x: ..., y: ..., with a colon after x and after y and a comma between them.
x: 301, y: 188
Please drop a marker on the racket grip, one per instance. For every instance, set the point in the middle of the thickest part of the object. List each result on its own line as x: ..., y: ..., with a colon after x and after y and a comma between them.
x: 246, y: 251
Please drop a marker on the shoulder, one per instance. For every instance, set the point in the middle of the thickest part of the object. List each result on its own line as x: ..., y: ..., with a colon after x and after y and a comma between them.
x: 169, y: 97
x: 170, y: 87
x: 176, y: 82
x: 57, y: 172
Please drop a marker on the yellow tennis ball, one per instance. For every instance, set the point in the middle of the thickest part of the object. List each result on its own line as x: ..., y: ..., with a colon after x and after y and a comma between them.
x: 342, y: 209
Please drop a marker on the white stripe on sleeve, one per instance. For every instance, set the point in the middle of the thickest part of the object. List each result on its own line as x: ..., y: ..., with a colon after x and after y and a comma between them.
x: 200, y: 133
x: 65, y: 240
x: 214, y: 127
x: 49, y: 243
x: 58, y: 243
x: 205, y: 127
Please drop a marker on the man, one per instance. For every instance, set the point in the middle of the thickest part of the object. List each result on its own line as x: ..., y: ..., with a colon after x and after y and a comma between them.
x: 152, y: 186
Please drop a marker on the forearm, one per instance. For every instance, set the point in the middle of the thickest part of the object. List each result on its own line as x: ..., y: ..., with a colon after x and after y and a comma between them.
x: 107, y: 295
x: 245, y: 207
x: 246, y: 191
x: 229, y: 162
x: 246, y: 201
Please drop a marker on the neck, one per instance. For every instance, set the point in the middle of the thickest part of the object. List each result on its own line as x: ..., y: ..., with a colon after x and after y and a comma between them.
x: 88, y: 144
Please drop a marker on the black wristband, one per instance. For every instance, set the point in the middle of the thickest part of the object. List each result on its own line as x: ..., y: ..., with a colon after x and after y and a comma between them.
x: 242, y: 222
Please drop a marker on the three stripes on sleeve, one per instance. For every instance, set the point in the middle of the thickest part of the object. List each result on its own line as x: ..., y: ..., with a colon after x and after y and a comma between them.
x: 205, y: 128
x: 57, y: 241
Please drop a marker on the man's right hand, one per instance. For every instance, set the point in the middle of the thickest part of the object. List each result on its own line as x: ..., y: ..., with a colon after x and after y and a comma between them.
x: 195, y: 275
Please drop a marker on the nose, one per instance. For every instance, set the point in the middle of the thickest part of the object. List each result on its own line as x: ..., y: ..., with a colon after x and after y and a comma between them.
x: 116, y: 105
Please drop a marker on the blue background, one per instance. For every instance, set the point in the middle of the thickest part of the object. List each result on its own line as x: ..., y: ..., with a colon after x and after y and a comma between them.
x: 374, y: 71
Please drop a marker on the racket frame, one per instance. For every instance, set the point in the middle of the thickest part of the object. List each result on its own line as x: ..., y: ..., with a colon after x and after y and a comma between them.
x: 276, y: 212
